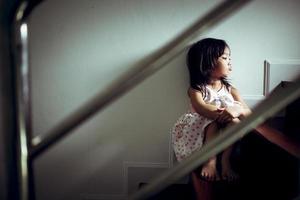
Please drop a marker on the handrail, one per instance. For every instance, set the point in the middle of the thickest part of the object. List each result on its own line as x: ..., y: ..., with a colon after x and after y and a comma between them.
x: 136, y: 75
x: 270, y: 106
x: 25, y: 190
x: 22, y: 95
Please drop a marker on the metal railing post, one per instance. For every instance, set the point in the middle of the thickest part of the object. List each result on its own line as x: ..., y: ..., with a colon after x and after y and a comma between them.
x: 22, y: 95
x: 22, y: 88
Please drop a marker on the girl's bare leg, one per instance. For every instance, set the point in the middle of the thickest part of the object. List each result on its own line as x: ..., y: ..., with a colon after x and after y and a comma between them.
x: 227, y: 172
x: 209, y: 169
x: 278, y: 138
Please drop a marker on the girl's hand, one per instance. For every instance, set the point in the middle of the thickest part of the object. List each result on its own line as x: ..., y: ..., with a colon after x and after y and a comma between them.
x: 229, y: 113
x: 225, y: 117
x: 236, y: 110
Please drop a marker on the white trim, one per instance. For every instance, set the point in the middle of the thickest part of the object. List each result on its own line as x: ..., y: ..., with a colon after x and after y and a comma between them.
x: 128, y: 164
x: 124, y: 194
x: 125, y: 167
x: 267, y: 70
x: 266, y: 77
x: 283, y: 61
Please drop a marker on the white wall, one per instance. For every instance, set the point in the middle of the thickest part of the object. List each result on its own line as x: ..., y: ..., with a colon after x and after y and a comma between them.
x: 79, y: 47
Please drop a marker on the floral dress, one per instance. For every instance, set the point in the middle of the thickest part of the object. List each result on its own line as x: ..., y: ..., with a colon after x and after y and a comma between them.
x: 188, y: 131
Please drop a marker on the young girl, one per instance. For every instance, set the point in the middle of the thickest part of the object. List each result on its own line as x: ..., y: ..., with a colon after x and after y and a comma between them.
x: 215, y: 104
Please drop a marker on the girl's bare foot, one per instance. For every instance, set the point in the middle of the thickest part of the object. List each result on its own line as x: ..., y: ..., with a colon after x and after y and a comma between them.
x: 227, y: 172
x: 209, y: 170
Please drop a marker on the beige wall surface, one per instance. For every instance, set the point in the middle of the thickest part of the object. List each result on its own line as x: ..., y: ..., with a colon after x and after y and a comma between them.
x: 77, y: 48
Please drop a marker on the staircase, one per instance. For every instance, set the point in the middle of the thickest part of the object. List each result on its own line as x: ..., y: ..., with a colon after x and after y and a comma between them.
x: 266, y: 170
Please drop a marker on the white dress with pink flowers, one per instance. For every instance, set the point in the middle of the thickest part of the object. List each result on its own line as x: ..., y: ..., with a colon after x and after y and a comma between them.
x: 188, y: 131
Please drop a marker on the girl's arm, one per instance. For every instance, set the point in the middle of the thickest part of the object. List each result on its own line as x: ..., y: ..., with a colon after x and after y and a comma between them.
x: 279, y: 139
x: 245, y: 111
x: 238, y: 110
x: 207, y: 110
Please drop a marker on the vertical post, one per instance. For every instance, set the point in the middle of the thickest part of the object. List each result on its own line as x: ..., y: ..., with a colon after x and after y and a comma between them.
x: 22, y: 88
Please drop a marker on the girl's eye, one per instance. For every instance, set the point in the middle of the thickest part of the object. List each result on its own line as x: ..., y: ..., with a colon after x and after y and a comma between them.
x: 226, y: 58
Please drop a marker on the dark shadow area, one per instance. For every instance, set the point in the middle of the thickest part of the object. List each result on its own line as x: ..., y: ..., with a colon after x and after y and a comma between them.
x: 174, y: 192
x: 267, y: 171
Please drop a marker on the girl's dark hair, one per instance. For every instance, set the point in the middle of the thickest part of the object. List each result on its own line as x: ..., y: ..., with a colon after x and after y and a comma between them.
x: 202, y: 60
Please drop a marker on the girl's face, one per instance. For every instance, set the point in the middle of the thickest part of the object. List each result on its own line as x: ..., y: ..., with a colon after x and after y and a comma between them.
x: 223, y: 67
